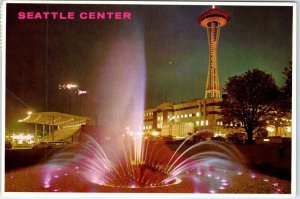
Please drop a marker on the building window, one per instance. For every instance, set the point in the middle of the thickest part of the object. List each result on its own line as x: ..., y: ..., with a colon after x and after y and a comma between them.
x: 185, y: 115
x: 197, y: 123
x: 206, y: 122
x: 202, y: 122
x: 198, y: 114
x: 190, y: 115
x: 181, y: 116
x: 177, y: 116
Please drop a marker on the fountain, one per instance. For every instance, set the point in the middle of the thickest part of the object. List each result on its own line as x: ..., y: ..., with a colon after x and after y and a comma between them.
x: 158, y: 166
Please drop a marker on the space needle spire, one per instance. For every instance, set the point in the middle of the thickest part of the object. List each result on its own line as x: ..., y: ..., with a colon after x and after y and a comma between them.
x: 213, y: 20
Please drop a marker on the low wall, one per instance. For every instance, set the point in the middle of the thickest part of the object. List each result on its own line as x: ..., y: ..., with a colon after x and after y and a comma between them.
x: 272, y: 159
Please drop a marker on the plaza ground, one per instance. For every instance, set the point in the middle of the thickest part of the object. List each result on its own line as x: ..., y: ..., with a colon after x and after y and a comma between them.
x: 269, y: 171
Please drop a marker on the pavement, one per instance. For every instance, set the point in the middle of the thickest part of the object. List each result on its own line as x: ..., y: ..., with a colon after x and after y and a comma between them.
x: 39, y: 179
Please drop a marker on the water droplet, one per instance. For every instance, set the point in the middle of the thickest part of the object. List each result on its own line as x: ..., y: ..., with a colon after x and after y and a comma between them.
x: 56, y: 176
x: 275, y: 184
x: 66, y: 174
x: 221, y: 187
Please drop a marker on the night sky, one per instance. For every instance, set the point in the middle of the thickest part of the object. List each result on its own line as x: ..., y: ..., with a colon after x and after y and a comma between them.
x: 41, y: 54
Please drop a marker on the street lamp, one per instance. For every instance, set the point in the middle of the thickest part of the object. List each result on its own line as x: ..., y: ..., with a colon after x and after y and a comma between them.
x: 68, y: 87
x: 79, y: 93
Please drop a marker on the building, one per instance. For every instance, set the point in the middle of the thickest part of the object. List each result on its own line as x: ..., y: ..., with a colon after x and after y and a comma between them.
x: 55, y: 126
x: 179, y: 120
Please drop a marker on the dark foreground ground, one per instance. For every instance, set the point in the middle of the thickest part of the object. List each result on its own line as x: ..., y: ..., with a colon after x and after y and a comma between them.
x: 270, y: 165
x: 34, y: 179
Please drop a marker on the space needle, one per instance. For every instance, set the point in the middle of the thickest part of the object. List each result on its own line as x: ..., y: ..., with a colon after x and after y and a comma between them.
x: 213, y: 20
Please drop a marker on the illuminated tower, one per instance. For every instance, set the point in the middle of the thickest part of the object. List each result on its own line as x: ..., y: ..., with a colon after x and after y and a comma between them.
x: 213, y: 20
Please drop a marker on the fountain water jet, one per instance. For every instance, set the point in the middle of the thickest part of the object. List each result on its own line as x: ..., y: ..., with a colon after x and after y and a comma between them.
x: 206, y: 161
x: 121, y: 88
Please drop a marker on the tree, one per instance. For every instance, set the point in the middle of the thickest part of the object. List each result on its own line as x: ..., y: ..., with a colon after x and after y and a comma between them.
x: 285, y: 104
x: 249, y: 98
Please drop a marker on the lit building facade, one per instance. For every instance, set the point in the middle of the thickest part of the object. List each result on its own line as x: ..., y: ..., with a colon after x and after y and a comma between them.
x: 180, y: 120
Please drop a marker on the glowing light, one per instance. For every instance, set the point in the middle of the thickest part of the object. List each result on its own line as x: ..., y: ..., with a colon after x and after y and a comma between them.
x: 81, y: 92
x: 155, y: 133
x: 253, y: 176
x: 225, y: 184
x: 270, y: 129
x: 21, y: 137
x: 275, y: 184
x: 46, y: 186
x: 133, y: 186
x: 29, y: 112
x: 67, y: 86
x: 202, y: 122
x: 266, y: 140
